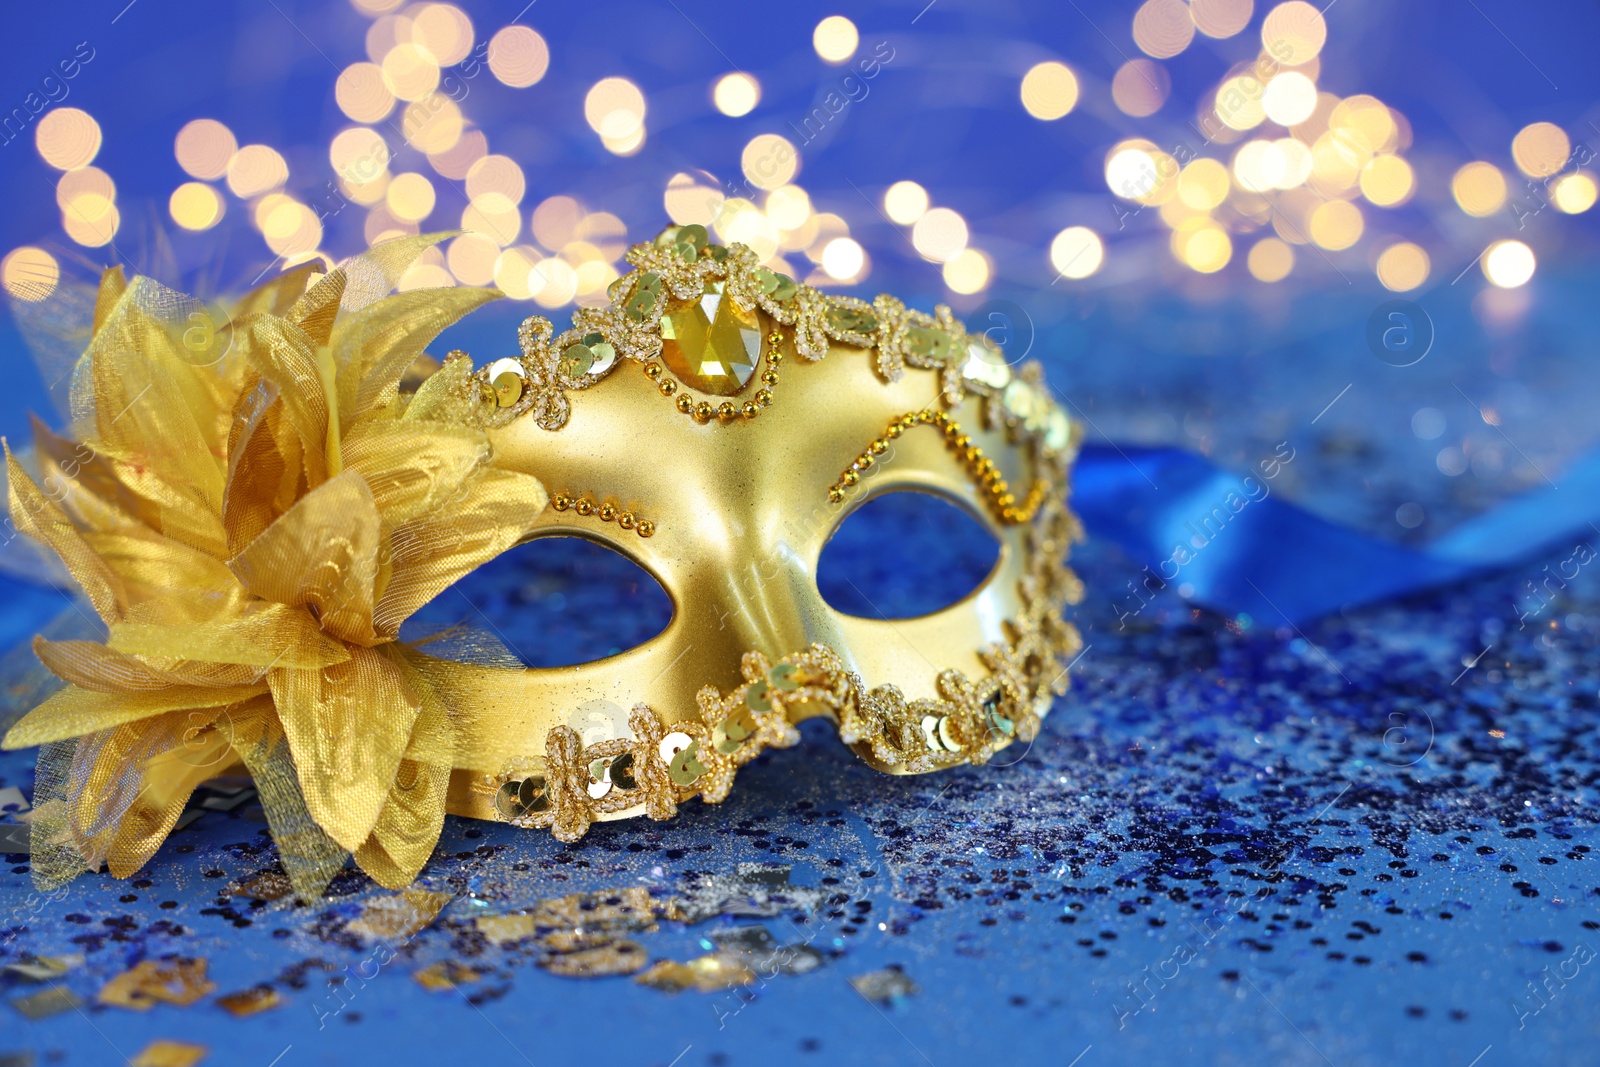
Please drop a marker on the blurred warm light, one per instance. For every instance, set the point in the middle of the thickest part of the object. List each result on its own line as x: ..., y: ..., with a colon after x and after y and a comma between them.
x: 384, y: 34
x: 843, y: 259
x: 1077, y: 252
x: 555, y: 221
x: 1162, y: 28
x: 291, y: 227
x: 195, y: 206
x: 1297, y: 162
x: 29, y: 273
x: 380, y: 226
x: 967, y: 273
x: 828, y: 226
x: 433, y: 125
x: 1270, y: 260
x: 1364, y: 126
x: 614, y: 108
x: 91, y: 220
x: 366, y: 193
x: 1202, y: 245
x: 1203, y: 184
x: 605, y: 233
x: 1540, y: 149
x: 494, y: 217
x: 624, y: 146
x: 424, y: 276
x: 939, y: 234
x: 1508, y: 264
x: 256, y: 169
x: 445, y: 31
x: 905, y: 202
x: 788, y: 207
x: 1402, y: 267
x: 471, y: 258
x: 1479, y: 188
x: 736, y: 94
x: 1293, y: 33
x: 1140, y: 87
x: 498, y: 176
x: 1335, y: 168
x: 410, y: 197
x: 1573, y: 193
x: 83, y: 182
x: 1290, y: 98
x: 554, y: 282
x: 362, y: 94
x: 1131, y: 171
x: 359, y: 155
x: 410, y: 72
x: 835, y: 38
x: 203, y: 148
x: 67, y: 138
x: 513, y: 273
x: 1387, y: 181
x: 1239, y: 103
x: 518, y: 56
x: 1049, y: 90
x: 372, y: 8
x: 688, y: 200
x: 742, y: 221
x: 1221, y: 18
x: 769, y: 161
x: 594, y: 276
x: 1336, y: 225
x: 456, y: 161
x: 1259, y: 166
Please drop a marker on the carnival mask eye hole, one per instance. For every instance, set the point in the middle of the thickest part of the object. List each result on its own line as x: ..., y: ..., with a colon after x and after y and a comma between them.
x: 554, y: 602
x: 905, y: 554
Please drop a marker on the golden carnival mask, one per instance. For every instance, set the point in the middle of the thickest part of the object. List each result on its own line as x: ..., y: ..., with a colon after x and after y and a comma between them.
x: 254, y: 528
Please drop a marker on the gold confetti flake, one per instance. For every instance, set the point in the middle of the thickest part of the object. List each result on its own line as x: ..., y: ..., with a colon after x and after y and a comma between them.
x: 503, y: 928
x: 712, y: 973
x: 444, y: 975
x: 607, y: 959
x: 397, y: 917
x: 170, y: 1054
x: 43, y: 968
x: 250, y: 1001
x: 52, y: 1001
x: 180, y: 982
x: 885, y: 986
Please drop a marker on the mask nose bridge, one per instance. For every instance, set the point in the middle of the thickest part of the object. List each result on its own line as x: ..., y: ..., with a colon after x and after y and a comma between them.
x: 763, y: 594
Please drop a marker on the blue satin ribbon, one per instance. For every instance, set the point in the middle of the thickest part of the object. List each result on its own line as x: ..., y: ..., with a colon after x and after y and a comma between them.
x: 1196, y: 527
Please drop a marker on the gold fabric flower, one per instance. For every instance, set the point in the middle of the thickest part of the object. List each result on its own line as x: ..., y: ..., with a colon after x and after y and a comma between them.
x: 253, y: 511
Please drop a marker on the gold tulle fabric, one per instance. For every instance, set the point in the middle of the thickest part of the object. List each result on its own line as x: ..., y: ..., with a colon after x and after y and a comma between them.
x: 253, y: 512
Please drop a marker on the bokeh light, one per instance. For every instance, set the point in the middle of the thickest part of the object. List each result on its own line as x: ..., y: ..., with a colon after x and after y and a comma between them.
x: 195, y: 206
x: 444, y: 31
x: 614, y: 108
x: 967, y: 272
x: 1540, y: 149
x: 518, y: 56
x: 410, y: 197
x: 769, y: 161
x: 736, y: 94
x: 1289, y: 98
x: 1508, y: 264
x: 835, y: 39
x: 1573, y: 193
x: 1162, y: 28
x: 29, y: 273
x: 1387, y: 181
x: 256, y: 169
x: 1336, y: 225
x: 1479, y: 189
x: 1077, y: 252
x: 1140, y: 87
x: 67, y: 138
x: 203, y: 149
x: 410, y: 72
x: 905, y: 202
x: 940, y: 234
x: 362, y: 94
x: 843, y: 259
x: 1270, y: 260
x: 1402, y: 267
x: 1221, y: 18
x: 1049, y: 90
x: 1293, y: 33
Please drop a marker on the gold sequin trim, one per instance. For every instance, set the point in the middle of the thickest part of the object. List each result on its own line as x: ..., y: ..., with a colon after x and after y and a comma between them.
x: 606, y: 512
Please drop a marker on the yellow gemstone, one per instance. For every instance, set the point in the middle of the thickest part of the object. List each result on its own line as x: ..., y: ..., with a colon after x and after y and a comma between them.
x: 712, y: 344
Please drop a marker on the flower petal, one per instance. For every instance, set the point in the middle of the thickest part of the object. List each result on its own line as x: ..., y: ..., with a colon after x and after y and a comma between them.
x: 37, y: 516
x: 348, y: 727
x: 73, y: 712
